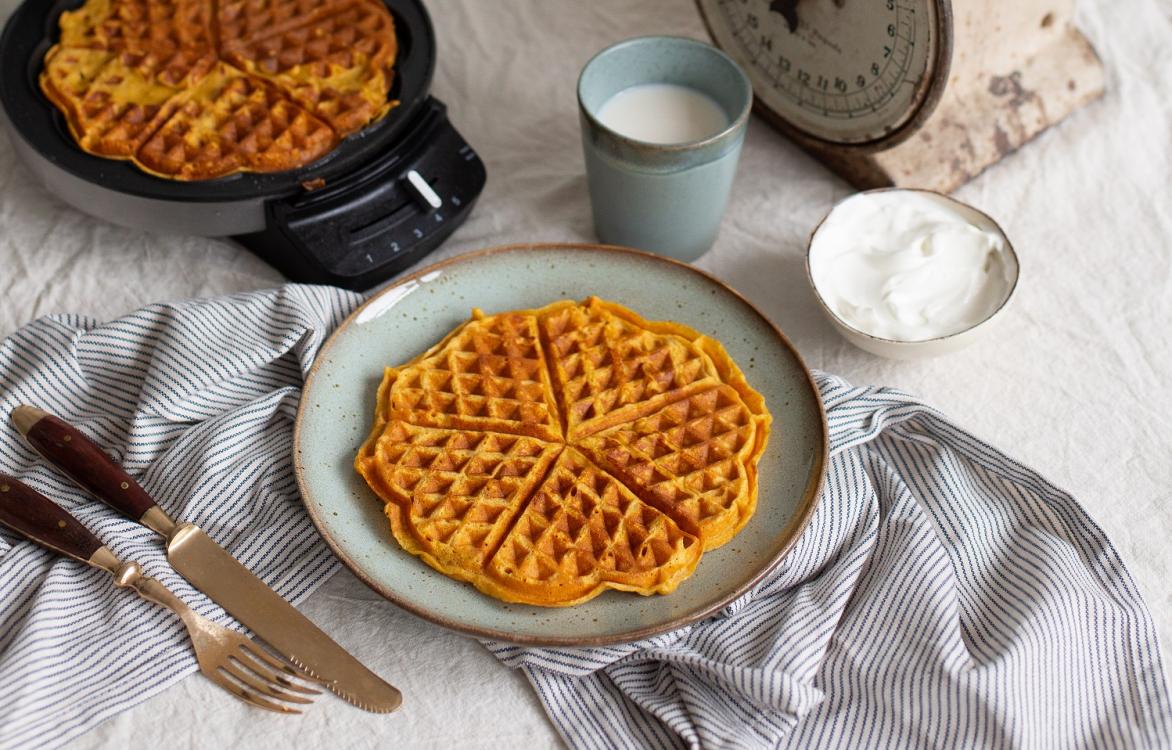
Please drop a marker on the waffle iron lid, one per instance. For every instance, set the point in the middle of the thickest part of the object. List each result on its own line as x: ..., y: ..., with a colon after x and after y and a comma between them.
x: 33, y: 28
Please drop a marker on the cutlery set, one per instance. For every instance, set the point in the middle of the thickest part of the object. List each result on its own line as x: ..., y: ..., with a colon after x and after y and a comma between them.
x: 296, y: 656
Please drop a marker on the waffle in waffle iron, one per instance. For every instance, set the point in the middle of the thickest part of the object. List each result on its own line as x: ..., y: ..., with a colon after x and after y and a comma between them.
x: 196, y: 89
x: 547, y: 455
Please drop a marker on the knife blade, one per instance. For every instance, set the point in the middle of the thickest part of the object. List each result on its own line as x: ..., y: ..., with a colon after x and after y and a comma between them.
x: 207, y: 565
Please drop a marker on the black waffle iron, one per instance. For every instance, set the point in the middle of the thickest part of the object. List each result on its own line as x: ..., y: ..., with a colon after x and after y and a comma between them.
x: 383, y: 199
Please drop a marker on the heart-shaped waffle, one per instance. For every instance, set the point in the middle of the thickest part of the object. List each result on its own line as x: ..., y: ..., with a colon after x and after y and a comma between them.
x: 548, y: 455
x: 195, y: 89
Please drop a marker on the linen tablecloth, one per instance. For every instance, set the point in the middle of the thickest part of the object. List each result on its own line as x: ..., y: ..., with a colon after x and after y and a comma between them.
x: 1069, y: 385
x: 942, y: 594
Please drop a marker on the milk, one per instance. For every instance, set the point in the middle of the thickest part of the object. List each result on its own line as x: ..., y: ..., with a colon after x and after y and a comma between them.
x: 663, y: 113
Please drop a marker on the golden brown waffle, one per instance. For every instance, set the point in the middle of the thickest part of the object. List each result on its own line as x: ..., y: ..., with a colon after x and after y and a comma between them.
x: 192, y: 90
x: 338, y: 67
x: 548, y: 455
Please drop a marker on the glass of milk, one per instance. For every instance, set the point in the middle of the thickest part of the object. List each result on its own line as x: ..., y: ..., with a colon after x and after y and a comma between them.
x: 663, y: 120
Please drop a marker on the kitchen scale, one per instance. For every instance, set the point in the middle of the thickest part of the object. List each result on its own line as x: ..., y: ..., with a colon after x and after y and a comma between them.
x: 911, y: 93
x: 384, y: 198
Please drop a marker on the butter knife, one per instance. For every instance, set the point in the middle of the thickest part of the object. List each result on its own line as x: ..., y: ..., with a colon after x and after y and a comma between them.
x: 207, y: 565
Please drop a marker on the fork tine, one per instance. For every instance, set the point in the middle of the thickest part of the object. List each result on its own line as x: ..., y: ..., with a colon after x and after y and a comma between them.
x: 246, y: 695
x: 261, y: 686
x: 265, y: 664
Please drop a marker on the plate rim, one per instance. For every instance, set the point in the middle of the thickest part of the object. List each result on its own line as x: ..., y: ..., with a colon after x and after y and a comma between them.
x: 810, y: 498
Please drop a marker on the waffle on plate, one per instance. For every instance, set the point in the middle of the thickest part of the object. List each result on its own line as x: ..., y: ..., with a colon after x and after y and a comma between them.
x: 196, y: 89
x: 547, y: 455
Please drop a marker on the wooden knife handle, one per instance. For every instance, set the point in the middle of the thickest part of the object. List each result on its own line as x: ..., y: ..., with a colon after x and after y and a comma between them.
x: 35, y: 516
x: 67, y: 448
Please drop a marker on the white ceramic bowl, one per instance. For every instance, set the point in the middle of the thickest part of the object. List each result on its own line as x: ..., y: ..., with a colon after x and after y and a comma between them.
x: 897, y: 349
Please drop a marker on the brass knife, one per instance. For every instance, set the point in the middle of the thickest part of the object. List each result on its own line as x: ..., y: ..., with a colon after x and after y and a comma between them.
x: 207, y: 565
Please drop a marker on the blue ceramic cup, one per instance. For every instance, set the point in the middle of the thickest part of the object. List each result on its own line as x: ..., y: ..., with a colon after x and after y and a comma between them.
x: 667, y: 198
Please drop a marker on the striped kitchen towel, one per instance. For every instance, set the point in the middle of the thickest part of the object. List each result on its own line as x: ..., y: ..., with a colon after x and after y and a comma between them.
x: 943, y: 595
x: 197, y: 400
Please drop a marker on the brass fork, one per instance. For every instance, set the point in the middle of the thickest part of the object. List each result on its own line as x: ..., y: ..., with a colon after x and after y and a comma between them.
x: 226, y: 657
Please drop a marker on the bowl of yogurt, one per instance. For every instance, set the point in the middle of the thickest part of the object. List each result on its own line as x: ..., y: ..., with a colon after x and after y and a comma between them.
x: 908, y: 273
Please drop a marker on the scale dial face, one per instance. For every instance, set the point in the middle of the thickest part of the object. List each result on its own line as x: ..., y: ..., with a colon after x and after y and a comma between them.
x: 843, y: 71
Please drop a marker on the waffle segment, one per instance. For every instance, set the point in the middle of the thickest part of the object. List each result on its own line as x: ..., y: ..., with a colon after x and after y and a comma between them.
x: 488, y: 374
x: 194, y: 90
x: 451, y: 494
x: 142, y: 26
x: 695, y: 459
x: 114, y: 101
x: 249, y: 19
x: 611, y: 366
x: 338, y: 67
x: 232, y: 123
x: 583, y: 532
x: 548, y: 455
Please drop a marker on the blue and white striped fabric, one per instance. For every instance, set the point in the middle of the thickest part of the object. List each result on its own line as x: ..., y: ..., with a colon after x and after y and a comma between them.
x: 942, y: 596
x: 197, y: 400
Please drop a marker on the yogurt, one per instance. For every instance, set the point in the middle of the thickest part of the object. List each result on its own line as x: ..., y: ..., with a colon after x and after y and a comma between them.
x: 910, y: 266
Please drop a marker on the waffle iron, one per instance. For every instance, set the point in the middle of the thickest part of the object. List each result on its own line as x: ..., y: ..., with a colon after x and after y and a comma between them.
x: 384, y: 198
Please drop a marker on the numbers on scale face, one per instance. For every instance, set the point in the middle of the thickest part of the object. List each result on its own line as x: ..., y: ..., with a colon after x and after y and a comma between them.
x: 843, y: 70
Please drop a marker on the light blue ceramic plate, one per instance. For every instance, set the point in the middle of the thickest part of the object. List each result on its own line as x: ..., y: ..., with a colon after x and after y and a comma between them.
x: 407, y: 318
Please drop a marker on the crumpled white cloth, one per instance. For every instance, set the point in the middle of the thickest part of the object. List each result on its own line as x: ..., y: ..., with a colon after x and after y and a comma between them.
x: 1065, y: 383
x: 943, y: 595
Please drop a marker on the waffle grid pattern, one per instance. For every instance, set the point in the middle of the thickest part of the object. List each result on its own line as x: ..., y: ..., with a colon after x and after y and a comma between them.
x: 198, y: 89
x: 493, y: 472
